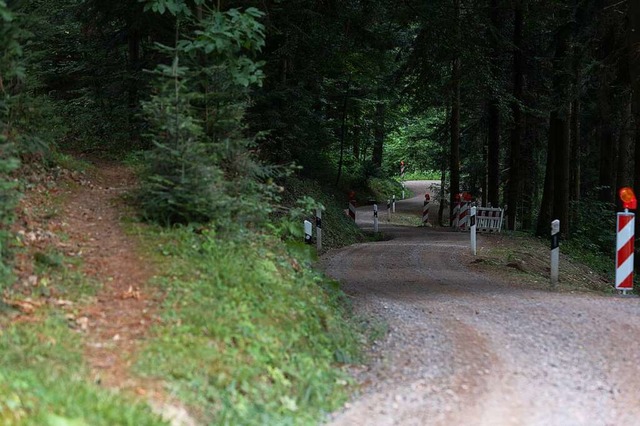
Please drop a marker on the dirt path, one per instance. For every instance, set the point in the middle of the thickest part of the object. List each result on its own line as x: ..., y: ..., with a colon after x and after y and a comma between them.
x: 117, y: 323
x: 470, y: 349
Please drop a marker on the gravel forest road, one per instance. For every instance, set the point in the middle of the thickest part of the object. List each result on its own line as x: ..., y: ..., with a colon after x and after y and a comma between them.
x: 469, y: 349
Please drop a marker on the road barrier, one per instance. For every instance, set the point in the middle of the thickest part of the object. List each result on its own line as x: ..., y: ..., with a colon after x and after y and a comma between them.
x: 456, y: 214
x: 352, y: 209
x: 463, y: 219
x: 624, y: 251
x: 489, y: 219
x: 425, y: 209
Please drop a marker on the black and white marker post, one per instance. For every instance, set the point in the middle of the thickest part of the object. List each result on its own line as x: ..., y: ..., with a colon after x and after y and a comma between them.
x: 319, y: 229
x: 472, y: 222
x: 403, y: 190
x: 375, y: 218
x: 394, y: 204
x: 308, y: 230
x: 555, y: 252
x: 389, y: 210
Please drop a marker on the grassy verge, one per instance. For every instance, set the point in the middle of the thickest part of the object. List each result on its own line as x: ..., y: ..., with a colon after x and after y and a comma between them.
x: 43, y: 380
x: 250, y: 334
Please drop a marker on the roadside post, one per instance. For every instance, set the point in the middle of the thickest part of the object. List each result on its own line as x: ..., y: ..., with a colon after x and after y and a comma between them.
x: 625, y: 229
x: 308, y: 229
x: 394, y: 204
x: 375, y: 218
x: 472, y: 222
x: 319, y: 229
x: 389, y: 210
x: 425, y: 209
x: 555, y: 252
x: 403, y: 190
x: 352, y: 207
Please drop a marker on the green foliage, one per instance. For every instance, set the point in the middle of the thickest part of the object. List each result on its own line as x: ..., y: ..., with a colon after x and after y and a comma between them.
x: 250, y: 334
x: 593, y: 236
x: 418, y: 141
x: 201, y: 167
x: 338, y: 229
x: 43, y: 380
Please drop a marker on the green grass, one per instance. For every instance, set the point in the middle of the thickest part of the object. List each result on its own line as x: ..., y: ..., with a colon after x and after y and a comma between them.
x: 384, y: 189
x: 44, y: 382
x: 250, y: 334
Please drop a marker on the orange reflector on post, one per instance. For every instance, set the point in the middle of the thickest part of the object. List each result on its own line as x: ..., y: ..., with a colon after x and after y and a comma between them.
x: 628, y: 198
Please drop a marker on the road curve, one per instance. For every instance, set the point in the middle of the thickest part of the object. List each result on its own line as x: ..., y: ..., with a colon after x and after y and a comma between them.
x: 468, y: 349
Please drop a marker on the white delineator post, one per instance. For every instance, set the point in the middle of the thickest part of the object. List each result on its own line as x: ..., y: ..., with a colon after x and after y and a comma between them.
x: 375, y: 218
x: 625, y: 225
x: 308, y: 230
x: 555, y: 251
x: 319, y: 229
x: 394, y: 204
x: 389, y: 210
x: 472, y: 223
x: 403, y: 190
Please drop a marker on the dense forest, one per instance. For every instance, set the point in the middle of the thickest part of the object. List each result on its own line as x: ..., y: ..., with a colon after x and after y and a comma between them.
x: 528, y: 104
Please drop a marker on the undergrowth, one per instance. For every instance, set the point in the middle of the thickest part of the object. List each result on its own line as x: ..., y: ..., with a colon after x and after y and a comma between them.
x: 250, y: 334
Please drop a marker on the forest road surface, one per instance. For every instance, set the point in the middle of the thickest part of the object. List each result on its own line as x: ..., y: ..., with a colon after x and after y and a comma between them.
x: 469, y: 349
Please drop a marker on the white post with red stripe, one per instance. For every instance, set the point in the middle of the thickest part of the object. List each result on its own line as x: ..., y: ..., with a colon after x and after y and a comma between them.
x: 625, y: 226
x: 555, y: 252
x: 425, y: 210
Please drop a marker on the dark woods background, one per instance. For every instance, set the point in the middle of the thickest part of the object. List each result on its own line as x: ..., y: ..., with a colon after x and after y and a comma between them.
x: 527, y: 103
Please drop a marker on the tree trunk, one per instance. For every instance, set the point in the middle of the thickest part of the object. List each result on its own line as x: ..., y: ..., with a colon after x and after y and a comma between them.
x: 555, y: 198
x: 494, y: 112
x: 625, y: 177
x: 378, y: 134
x: 513, y: 195
x: 343, y: 130
x: 454, y: 163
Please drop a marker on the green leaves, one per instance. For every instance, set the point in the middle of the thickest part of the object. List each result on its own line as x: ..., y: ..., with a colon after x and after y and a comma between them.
x: 201, y: 168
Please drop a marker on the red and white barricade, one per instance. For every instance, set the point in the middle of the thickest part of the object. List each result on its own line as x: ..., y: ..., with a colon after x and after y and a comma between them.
x: 489, y: 219
x: 463, y: 216
x: 624, y: 251
x: 425, y: 209
x: 352, y: 209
